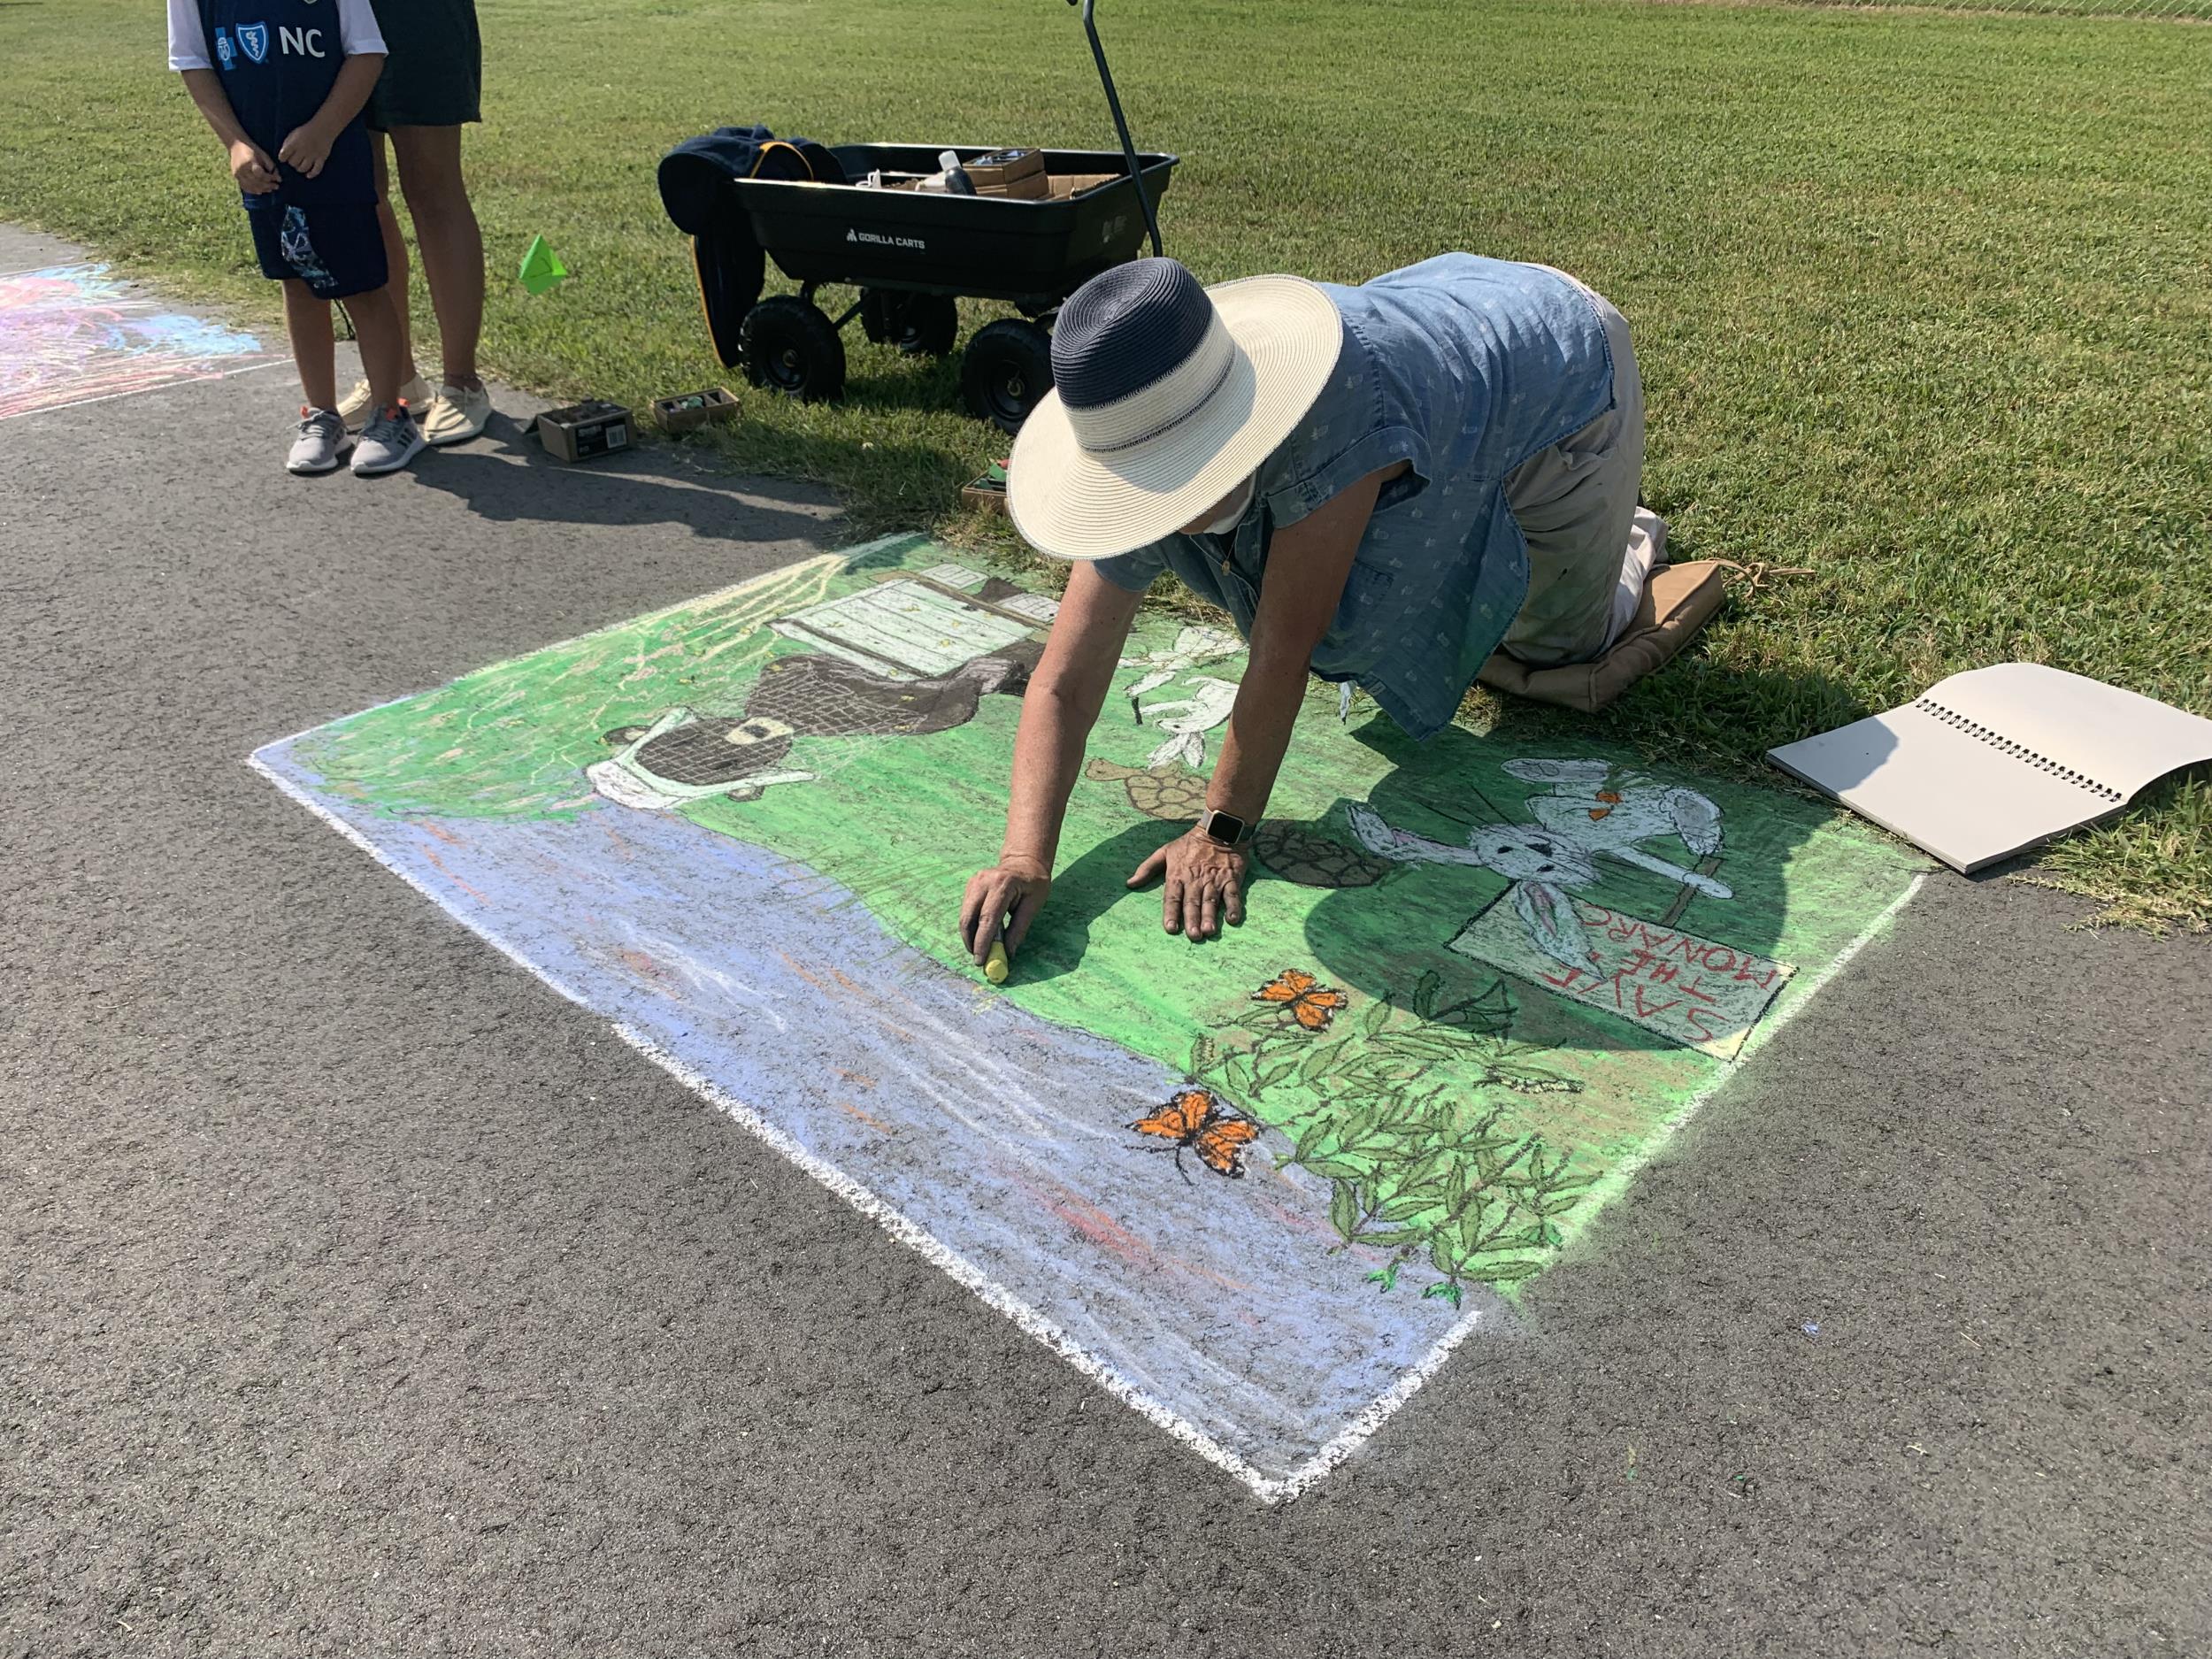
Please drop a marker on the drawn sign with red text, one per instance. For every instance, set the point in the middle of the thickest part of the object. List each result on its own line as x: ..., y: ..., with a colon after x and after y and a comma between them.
x: 1696, y: 992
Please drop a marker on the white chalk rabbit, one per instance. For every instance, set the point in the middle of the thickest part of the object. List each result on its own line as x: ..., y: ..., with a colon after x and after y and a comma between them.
x: 1579, y: 822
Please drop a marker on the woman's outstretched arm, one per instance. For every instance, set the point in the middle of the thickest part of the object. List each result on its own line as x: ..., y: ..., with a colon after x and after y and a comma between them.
x: 1307, y: 566
x: 1058, y: 709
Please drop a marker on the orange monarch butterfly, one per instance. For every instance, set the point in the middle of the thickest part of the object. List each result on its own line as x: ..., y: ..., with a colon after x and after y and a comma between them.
x: 1196, y: 1119
x: 1310, y: 1004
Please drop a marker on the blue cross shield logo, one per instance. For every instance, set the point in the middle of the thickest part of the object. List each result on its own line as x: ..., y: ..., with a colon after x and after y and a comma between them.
x: 223, y: 50
x: 253, y: 40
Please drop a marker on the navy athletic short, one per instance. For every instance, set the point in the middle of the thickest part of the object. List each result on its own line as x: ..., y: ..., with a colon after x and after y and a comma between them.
x: 337, y: 251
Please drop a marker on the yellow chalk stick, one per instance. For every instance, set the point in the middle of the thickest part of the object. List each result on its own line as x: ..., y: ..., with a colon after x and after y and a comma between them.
x: 994, y: 966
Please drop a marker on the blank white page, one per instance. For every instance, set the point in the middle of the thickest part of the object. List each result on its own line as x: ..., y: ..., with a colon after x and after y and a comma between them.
x: 1989, y: 763
x: 2118, y: 738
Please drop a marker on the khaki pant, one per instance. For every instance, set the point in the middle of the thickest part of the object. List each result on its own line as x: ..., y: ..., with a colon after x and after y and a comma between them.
x: 1576, y: 505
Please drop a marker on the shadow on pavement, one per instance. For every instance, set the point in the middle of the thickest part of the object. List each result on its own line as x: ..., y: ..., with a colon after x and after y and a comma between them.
x: 506, y: 476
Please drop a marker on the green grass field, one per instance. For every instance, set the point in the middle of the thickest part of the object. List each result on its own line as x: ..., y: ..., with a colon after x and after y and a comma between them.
x: 1924, y: 301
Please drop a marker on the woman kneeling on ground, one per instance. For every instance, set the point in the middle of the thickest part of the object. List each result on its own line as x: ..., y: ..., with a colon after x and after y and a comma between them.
x: 1382, y: 485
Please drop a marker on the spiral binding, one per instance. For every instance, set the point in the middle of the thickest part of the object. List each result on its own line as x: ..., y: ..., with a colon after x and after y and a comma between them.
x: 2026, y: 757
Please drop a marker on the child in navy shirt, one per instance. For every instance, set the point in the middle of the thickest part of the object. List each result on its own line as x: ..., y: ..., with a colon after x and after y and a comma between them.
x: 283, y: 83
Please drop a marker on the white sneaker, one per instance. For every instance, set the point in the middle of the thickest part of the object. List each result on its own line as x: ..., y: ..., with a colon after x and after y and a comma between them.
x: 321, y: 441
x: 357, y: 405
x: 457, y: 414
x: 387, y: 443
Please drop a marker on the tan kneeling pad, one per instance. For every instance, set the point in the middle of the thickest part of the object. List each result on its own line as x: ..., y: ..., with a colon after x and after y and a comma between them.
x: 1679, y: 600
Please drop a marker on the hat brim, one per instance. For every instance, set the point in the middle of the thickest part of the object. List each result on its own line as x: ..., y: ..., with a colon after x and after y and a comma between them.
x: 1072, y: 505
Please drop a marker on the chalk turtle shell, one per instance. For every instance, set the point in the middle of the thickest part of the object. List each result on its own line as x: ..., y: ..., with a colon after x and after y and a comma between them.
x: 1174, y: 793
x: 1315, y: 861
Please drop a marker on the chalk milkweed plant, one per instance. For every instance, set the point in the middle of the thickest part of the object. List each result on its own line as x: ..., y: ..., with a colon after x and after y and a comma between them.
x: 1412, y: 1127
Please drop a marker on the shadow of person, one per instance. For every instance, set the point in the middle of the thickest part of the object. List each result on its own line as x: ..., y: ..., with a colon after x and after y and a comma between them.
x: 1535, y: 856
x: 512, y: 478
x: 1086, y: 889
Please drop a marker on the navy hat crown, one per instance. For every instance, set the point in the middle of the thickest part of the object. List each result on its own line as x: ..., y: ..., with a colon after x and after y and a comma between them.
x: 1125, y: 330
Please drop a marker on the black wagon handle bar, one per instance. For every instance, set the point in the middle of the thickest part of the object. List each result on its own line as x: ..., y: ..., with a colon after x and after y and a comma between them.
x: 1121, y: 123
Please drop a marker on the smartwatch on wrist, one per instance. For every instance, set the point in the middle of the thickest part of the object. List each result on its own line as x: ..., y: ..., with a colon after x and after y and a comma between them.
x: 1225, y: 829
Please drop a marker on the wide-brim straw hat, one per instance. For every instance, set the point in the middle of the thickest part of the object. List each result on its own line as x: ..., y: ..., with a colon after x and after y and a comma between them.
x: 1167, y: 395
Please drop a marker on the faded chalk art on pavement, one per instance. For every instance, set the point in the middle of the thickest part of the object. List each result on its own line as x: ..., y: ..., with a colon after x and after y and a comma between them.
x: 76, y: 334
x: 1258, y: 1187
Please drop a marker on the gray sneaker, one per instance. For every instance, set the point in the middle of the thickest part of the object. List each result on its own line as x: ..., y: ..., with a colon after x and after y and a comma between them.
x: 388, y: 441
x: 357, y: 405
x: 322, y: 440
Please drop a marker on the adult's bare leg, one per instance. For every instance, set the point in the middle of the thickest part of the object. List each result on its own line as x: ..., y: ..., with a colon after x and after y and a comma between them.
x: 453, y: 243
x: 383, y: 347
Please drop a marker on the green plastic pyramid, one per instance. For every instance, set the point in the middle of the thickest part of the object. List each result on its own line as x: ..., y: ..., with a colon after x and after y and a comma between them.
x: 541, y: 268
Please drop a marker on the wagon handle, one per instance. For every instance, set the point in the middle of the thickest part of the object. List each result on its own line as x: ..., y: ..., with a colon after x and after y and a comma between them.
x: 1121, y: 124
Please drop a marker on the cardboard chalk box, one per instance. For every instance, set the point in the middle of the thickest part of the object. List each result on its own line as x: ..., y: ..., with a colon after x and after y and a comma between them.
x: 1010, y: 174
x: 987, y: 493
x: 694, y: 410
x: 584, y: 431
x: 1019, y: 173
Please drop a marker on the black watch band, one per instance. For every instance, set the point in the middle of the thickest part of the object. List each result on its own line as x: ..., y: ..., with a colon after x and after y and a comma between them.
x: 1225, y: 829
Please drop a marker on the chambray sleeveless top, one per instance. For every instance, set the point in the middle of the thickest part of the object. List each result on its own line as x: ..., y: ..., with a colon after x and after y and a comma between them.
x: 1463, y: 367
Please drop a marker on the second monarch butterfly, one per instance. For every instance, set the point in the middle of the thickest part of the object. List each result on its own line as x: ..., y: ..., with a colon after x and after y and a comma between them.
x: 1304, y: 998
x: 1197, y: 1119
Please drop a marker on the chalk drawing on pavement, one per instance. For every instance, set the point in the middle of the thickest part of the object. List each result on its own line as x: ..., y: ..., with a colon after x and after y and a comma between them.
x: 73, y: 334
x: 1196, y: 1119
x: 683, y: 756
x: 1175, y: 793
x: 1388, y: 1119
x: 1688, y: 989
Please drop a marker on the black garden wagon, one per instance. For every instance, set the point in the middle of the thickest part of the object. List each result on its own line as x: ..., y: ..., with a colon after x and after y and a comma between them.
x: 911, y: 254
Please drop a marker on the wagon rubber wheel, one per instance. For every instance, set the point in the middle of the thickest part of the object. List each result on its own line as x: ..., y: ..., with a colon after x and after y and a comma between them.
x: 1007, y: 371
x: 919, y: 325
x: 791, y: 348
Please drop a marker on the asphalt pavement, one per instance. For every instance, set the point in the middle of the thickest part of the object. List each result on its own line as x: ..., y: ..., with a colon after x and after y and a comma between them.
x: 360, y: 1296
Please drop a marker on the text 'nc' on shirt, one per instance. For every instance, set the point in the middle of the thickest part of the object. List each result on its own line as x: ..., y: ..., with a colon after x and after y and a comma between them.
x: 278, y: 61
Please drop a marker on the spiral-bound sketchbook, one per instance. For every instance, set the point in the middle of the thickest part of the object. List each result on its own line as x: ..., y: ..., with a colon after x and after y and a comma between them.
x: 1992, y: 762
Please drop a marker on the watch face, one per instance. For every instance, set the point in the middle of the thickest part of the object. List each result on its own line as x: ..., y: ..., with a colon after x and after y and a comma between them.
x: 1225, y: 827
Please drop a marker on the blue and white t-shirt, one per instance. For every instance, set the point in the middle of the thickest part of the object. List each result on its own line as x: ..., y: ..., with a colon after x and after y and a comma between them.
x: 279, y: 60
x: 1463, y: 367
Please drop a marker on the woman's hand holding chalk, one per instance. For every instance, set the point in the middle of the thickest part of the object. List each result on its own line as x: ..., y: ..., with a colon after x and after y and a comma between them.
x: 996, y: 912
